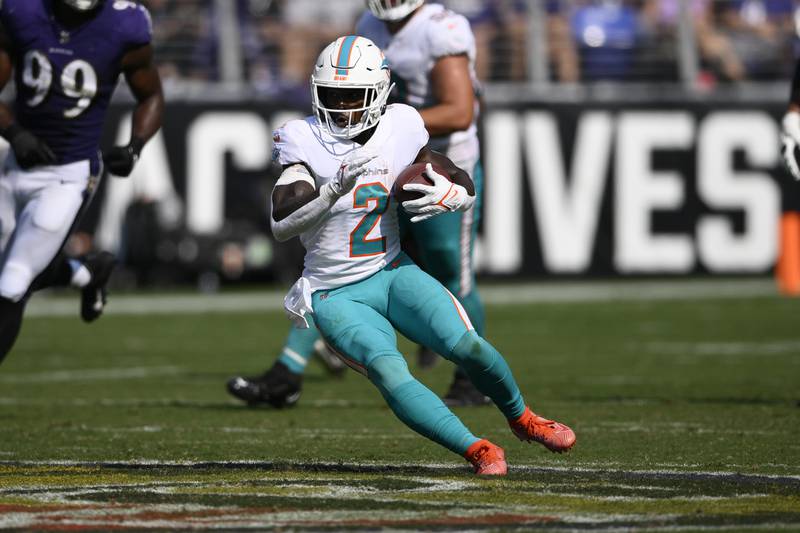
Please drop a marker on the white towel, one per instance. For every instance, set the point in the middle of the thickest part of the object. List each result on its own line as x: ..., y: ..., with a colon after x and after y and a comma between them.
x: 297, y: 303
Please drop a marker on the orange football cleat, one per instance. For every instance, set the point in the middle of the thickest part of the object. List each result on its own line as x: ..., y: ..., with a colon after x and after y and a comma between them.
x: 487, y: 458
x: 554, y: 436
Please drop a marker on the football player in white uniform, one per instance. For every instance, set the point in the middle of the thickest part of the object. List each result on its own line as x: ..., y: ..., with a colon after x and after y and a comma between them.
x: 431, y: 53
x: 335, y: 193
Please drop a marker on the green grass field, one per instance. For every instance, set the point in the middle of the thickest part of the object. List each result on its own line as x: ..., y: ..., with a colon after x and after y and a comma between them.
x: 687, y: 412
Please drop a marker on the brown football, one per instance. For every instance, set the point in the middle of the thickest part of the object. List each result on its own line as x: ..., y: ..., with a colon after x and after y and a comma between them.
x: 414, y: 174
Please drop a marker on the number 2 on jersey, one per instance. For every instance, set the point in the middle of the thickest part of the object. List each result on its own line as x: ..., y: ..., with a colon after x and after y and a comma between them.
x: 360, y: 245
x: 78, y: 81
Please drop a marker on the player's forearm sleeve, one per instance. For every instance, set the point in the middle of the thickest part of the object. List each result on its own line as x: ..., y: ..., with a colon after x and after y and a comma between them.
x: 305, y: 217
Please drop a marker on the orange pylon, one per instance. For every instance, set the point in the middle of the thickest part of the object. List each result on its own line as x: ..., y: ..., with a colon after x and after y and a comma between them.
x: 787, y: 270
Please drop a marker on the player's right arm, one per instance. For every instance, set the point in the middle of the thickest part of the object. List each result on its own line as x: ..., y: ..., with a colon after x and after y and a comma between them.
x: 790, y: 135
x: 298, y: 204
x: 455, y: 98
x: 29, y: 150
x: 451, y: 44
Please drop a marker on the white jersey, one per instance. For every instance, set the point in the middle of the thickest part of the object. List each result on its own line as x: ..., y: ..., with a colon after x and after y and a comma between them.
x: 359, y: 234
x: 431, y: 33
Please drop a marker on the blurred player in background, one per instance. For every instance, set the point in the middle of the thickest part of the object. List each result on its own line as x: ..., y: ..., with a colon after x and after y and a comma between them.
x: 431, y: 52
x: 791, y: 128
x: 339, y: 167
x: 66, y: 56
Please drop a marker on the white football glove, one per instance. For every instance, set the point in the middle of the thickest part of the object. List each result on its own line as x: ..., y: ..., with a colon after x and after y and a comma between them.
x: 352, y: 168
x: 443, y: 196
x: 790, y: 137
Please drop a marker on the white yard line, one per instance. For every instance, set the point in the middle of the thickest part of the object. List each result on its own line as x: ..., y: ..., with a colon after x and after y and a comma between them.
x: 137, y: 402
x: 626, y: 290
x: 757, y: 349
x: 91, y: 374
x: 517, y: 293
x: 160, y: 304
x: 590, y: 468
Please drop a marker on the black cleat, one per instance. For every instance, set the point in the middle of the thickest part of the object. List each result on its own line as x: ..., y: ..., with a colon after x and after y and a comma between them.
x: 332, y: 362
x: 462, y: 393
x: 93, y: 296
x: 277, y: 387
x: 427, y: 358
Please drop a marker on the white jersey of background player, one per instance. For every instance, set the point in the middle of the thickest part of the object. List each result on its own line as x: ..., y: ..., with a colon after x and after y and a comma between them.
x: 431, y: 53
x: 432, y: 32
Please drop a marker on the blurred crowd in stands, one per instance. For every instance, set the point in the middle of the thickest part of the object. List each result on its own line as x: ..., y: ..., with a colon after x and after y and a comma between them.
x: 587, y: 40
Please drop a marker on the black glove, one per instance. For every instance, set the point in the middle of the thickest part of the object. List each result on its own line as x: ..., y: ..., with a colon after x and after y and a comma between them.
x: 119, y: 160
x: 29, y: 150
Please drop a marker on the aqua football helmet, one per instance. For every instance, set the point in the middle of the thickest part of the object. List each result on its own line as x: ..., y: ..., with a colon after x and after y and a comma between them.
x: 393, y: 9
x: 350, y: 63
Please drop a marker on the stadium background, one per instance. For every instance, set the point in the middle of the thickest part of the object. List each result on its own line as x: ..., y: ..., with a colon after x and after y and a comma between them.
x: 624, y: 143
x: 620, y: 138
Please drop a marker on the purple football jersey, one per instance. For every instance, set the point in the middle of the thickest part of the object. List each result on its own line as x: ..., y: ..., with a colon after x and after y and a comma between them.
x: 65, y: 78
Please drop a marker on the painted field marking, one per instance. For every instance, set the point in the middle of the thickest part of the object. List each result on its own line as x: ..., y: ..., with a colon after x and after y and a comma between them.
x: 97, y: 504
x: 388, y: 468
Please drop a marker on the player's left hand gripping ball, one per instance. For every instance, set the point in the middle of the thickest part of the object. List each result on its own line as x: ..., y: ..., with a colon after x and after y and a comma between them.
x: 442, y: 197
x: 120, y: 160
